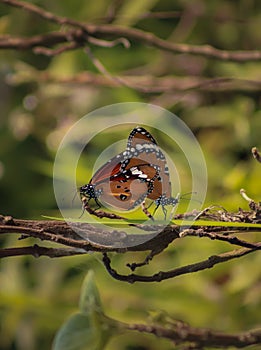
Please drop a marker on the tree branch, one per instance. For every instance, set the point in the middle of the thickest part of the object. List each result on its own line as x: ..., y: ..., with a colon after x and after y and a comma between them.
x: 44, y: 40
x: 37, y: 251
x: 82, y: 31
x: 198, y: 338
x: 142, y: 83
x: 104, y: 242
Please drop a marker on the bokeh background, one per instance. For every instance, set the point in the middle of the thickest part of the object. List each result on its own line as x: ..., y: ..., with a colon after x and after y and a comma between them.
x: 41, y: 97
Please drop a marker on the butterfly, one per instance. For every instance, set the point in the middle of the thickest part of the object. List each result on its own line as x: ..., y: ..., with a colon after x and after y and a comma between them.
x: 126, y: 180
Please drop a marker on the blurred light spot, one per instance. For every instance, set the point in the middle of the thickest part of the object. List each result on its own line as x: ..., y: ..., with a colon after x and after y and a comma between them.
x: 55, y: 137
x: 21, y: 125
x: 30, y: 102
x: 53, y: 140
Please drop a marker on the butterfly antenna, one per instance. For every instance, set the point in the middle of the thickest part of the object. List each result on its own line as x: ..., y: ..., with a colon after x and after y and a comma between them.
x: 74, y: 196
x: 188, y: 193
x: 69, y: 194
x: 188, y: 199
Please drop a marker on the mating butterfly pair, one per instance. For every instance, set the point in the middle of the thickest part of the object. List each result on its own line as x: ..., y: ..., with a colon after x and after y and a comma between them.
x: 128, y: 179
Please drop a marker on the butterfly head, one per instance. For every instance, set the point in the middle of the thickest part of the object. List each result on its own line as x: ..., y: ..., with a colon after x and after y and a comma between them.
x: 88, y: 192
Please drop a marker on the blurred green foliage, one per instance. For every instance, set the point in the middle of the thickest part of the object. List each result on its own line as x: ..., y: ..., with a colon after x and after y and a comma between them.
x: 37, y: 108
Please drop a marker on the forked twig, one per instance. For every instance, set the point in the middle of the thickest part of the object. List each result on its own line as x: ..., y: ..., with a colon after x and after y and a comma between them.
x: 163, y: 275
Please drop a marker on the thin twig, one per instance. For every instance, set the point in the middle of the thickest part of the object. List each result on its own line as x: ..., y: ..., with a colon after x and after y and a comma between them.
x: 54, y: 52
x: 256, y: 154
x: 119, y: 81
x: 245, y: 196
x: 221, y: 237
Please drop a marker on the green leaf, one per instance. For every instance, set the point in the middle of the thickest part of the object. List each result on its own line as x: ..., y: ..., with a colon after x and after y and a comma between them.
x: 90, y: 329
x: 78, y: 333
x: 90, y: 301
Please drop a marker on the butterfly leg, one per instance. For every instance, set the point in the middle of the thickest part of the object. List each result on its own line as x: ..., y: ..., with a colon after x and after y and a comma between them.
x: 145, y: 211
x: 98, y: 204
x: 162, y: 200
x: 157, y: 205
x: 164, y: 212
x: 158, y: 202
